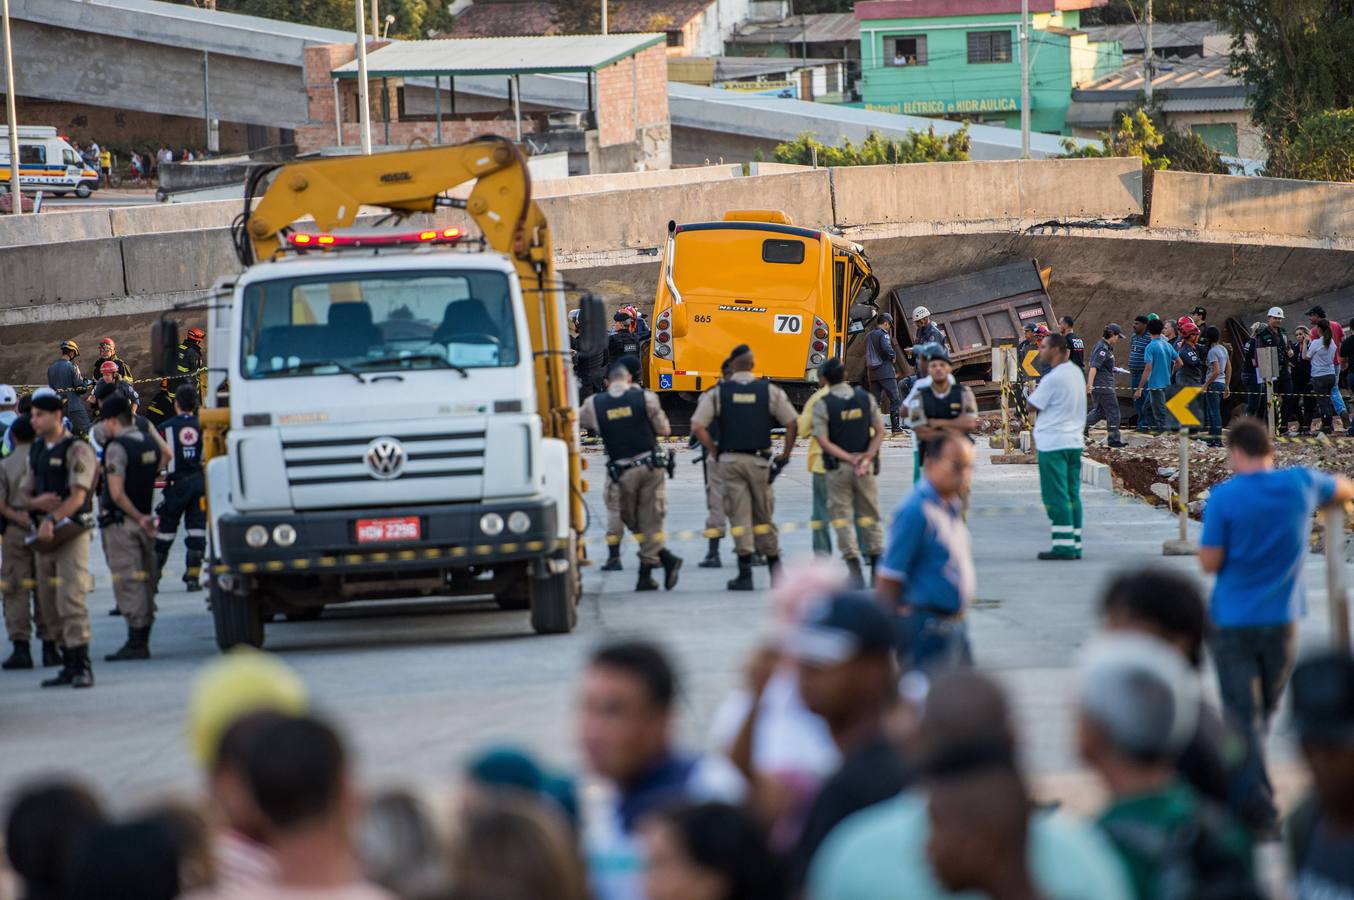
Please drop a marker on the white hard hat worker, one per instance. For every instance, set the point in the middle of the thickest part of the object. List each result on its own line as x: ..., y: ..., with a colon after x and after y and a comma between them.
x: 1275, y: 312
x: 920, y: 314
x: 8, y: 396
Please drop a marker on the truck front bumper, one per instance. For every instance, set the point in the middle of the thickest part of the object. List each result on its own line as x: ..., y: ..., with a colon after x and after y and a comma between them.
x: 450, y: 536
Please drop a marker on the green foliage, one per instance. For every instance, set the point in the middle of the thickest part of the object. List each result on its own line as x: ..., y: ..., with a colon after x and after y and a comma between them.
x: 1295, y: 56
x: 1320, y: 149
x: 876, y: 150
x: 579, y: 16
x: 1137, y: 135
x: 413, y: 18
x: 1126, y: 12
x: 1188, y: 152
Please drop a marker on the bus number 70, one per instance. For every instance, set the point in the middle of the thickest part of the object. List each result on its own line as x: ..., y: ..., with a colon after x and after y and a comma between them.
x: 788, y: 324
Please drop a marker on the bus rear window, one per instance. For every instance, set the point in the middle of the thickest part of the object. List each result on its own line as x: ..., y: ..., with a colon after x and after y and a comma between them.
x: 775, y: 250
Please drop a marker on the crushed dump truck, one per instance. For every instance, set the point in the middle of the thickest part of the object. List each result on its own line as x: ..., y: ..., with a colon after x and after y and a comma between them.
x: 400, y: 413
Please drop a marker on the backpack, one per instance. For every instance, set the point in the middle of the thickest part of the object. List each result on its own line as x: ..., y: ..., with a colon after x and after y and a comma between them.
x: 1191, y: 859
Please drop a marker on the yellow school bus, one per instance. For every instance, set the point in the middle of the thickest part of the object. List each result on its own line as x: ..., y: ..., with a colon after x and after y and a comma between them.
x: 754, y: 278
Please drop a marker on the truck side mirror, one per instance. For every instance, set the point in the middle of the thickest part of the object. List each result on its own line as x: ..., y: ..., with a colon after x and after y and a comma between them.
x: 592, y: 335
x: 164, y: 344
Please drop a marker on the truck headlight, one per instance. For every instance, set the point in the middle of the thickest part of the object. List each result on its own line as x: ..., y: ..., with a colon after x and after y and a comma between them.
x: 491, y: 524
x: 284, y: 535
x: 256, y: 536
x: 519, y: 522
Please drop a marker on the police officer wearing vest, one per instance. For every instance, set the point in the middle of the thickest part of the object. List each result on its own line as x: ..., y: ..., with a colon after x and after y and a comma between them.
x: 938, y: 401
x: 184, y: 490
x: 630, y: 421
x: 131, y: 461
x: 747, y: 408
x: 848, y: 426
x: 18, y: 562
x: 611, y: 494
x: 58, y: 491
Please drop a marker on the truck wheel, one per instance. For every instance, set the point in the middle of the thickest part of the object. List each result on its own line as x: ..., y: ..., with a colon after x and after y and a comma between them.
x: 237, y: 617
x: 552, y: 605
x: 82, y: 191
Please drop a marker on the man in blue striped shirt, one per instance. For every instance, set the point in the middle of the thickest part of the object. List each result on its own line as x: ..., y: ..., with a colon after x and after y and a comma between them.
x: 1137, y: 362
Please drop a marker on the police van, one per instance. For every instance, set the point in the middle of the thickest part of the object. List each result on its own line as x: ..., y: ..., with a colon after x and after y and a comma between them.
x: 47, y: 163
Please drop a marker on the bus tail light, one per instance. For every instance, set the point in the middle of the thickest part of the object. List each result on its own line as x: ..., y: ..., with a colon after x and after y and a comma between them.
x: 662, y: 336
x: 818, y: 346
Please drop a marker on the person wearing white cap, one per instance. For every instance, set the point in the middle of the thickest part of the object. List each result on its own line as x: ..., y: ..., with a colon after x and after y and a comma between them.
x: 926, y: 331
x: 1138, y: 707
x: 1272, y: 335
x: 9, y: 402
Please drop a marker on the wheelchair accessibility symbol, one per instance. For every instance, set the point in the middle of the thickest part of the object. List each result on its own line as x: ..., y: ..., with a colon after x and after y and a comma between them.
x: 665, y: 381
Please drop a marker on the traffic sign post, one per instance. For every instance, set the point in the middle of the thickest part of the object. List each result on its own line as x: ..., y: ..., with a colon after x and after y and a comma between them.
x: 1179, y: 405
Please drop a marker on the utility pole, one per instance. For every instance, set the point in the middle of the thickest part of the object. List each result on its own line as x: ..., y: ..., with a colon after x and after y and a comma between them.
x: 16, y: 205
x: 604, y: 31
x: 1147, y: 64
x: 1025, y: 79
x: 375, y: 20
x: 364, y: 101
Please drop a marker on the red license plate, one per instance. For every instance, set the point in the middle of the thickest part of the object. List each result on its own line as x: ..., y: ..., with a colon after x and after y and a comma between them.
x: 372, y: 531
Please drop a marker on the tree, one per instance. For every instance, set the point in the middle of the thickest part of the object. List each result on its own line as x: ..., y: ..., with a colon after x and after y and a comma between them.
x: 876, y: 150
x: 413, y: 18
x: 1187, y: 152
x: 1137, y: 135
x: 1320, y: 149
x: 1127, y: 12
x: 1295, y: 57
x: 579, y: 16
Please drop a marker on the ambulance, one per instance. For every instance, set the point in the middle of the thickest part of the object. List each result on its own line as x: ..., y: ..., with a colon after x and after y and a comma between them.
x: 47, y: 163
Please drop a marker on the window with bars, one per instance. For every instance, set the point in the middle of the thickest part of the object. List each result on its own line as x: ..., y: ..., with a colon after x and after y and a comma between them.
x: 905, y: 50
x: 989, y: 46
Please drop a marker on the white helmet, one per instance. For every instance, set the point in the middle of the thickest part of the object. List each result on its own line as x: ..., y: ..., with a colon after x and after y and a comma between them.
x: 920, y: 313
x: 1275, y: 312
x: 8, y: 397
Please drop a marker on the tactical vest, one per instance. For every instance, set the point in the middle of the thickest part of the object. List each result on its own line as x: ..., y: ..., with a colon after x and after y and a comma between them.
x: 143, y: 464
x: 848, y: 420
x: 50, y: 473
x: 745, y: 417
x: 948, y: 406
x: 185, y: 438
x: 624, y: 424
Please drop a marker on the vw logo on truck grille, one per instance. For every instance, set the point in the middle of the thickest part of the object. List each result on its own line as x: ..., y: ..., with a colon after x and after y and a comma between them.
x: 386, y: 458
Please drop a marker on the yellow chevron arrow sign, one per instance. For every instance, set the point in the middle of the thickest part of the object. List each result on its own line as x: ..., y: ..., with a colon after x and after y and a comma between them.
x: 1028, y: 363
x: 1179, y: 405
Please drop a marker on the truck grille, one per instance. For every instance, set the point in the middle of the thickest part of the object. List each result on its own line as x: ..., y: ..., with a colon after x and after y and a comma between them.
x: 328, y: 461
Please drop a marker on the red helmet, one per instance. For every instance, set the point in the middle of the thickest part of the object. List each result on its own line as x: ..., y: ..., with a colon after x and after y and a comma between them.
x: 1042, y: 330
x: 196, y: 334
x: 1188, y: 328
x: 107, y: 342
x: 108, y: 367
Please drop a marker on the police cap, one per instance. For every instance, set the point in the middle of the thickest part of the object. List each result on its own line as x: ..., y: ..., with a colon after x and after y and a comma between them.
x: 47, y: 400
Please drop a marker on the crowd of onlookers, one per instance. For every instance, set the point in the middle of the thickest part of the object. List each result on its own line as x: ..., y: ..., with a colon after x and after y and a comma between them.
x: 141, y: 163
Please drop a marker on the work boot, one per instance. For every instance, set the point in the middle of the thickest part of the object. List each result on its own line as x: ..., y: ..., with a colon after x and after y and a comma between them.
x: 21, y: 658
x: 115, y: 611
x: 773, y: 567
x: 874, y: 570
x: 711, y: 560
x: 1053, y: 554
x: 51, y: 654
x: 855, y: 578
x: 758, y: 560
x: 191, y: 586
x: 646, y: 582
x: 613, y: 559
x: 82, y: 671
x: 744, y: 580
x: 137, y: 646
x: 1115, y: 442
x: 672, y: 564
x: 66, y: 675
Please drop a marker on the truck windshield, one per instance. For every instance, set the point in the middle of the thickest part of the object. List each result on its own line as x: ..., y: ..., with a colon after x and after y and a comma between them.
x: 376, y: 322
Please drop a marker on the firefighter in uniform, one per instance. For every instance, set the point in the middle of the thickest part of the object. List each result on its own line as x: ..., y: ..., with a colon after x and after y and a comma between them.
x: 611, y: 494
x: 18, y: 564
x: 716, y: 513
x: 108, y: 352
x: 58, y: 490
x: 63, y: 376
x: 184, y: 490
x: 131, y: 460
x: 161, y: 406
x: 630, y: 421
x: 747, y: 408
x: 849, y: 428
x: 188, y: 366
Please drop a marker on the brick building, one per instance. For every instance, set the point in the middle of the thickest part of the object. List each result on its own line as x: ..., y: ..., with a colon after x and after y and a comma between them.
x: 611, y: 115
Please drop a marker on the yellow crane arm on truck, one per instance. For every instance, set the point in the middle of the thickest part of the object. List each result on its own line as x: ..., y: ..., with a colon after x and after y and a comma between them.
x: 333, y: 190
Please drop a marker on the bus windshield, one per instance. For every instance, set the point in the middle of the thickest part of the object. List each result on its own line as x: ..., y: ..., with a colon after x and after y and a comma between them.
x: 377, y: 322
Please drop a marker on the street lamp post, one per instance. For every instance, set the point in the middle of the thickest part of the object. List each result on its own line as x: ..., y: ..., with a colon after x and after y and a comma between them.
x: 16, y: 205
x: 364, y: 101
x: 1024, y: 79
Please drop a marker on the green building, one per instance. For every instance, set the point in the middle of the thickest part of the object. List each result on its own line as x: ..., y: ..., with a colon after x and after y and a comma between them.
x: 960, y: 59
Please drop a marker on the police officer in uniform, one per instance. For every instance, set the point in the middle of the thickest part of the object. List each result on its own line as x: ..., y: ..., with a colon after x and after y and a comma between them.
x: 849, y: 428
x: 63, y: 376
x: 716, y: 514
x: 1104, y: 403
x: 1074, y: 343
x: 58, y: 491
x: 108, y: 352
x: 18, y: 564
x: 131, y: 460
x: 630, y: 421
x: 938, y: 401
x: 611, y: 494
x: 927, y: 332
x: 625, y: 340
x: 183, y: 493
x: 747, y: 408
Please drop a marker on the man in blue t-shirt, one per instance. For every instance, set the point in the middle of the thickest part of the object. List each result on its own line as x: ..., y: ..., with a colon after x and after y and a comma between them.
x: 1256, y: 530
x: 1160, y: 362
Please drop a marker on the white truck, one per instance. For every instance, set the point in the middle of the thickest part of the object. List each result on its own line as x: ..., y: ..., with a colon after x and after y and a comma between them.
x: 390, y: 414
x: 47, y: 163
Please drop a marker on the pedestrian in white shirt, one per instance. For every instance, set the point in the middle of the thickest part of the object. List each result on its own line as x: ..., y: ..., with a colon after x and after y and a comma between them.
x: 1060, y: 404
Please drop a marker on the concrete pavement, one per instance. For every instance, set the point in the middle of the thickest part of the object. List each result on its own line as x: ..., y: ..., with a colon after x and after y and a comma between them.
x: 417, y: 686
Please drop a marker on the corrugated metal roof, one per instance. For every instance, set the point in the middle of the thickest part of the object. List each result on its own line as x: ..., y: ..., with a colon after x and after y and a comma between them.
x: 1196, y: 76
x: 1164, y: 34
x: 727, y: 67
x: 502, y: 55
x: 1205, y: 104
x: 506, y: 18
x: 815, y: 29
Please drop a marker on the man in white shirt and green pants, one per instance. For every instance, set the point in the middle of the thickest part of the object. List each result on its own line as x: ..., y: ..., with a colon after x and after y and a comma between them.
x: 1059, y: 403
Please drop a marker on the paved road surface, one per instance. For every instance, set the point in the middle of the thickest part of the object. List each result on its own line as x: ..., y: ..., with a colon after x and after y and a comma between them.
x: 417, y: 686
